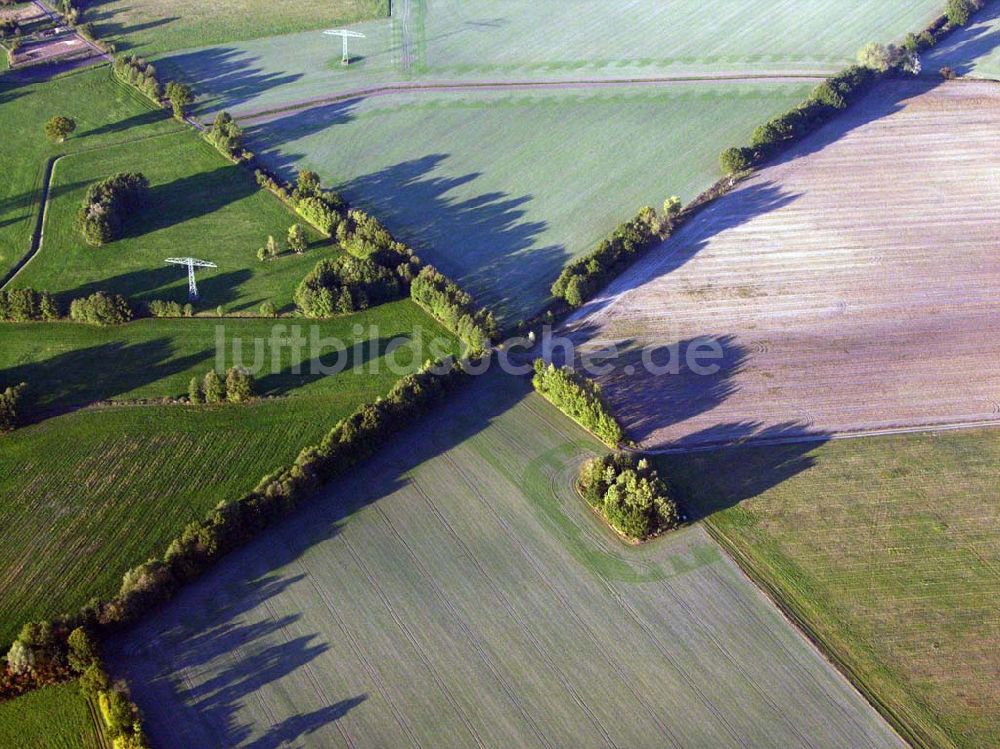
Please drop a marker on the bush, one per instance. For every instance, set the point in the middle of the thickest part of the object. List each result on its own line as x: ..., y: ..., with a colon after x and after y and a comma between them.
x: 195, y: 394
x: 158, y: 308
x: 345, y: 284
x: 948, y: 73
x: 82, y: 650
x: 107, y: 203
x: 578, y: 398
x: 240, y: 385
x: 23, y: 305
x: 267, y: 309
x: 584, y: 277
x: 20, y: 658
x: 736, y: 159
x: 630, y: 495
x: 319, y: 214
x: 297, y: 240
x: 10, y: 416
x: 101, y: 308
x: 213, y: 387
x: 453, y: 307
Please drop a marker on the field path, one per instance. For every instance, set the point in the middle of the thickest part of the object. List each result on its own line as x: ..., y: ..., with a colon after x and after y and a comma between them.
x: 258, y: 116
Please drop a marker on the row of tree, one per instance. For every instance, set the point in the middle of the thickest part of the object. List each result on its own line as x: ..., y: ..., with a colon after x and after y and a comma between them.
x: 443, y: 299
x: 630, y: 495
x: 108, y: 203
x: 239, y: 386
x: 585, y: 276
x: 140, y: 74
x: 24, y: 305
x: 580, y: 399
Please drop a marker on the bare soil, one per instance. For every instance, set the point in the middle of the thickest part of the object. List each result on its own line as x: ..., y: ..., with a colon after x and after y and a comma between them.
x: 854, y: 285
x: 56, y: 48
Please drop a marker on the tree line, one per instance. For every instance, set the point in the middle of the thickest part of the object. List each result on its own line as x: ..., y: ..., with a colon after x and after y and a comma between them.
x: 444, y: 300
x: 579, y: 398
x: 630, y: 495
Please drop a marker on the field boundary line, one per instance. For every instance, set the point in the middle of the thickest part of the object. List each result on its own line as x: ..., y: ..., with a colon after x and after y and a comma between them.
x: 527, y: 85
x: 806, y: 438
x: 909, y: 733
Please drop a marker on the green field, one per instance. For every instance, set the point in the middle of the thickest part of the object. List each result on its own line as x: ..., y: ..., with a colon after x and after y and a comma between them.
x: 973, y: 51
x: 89, y: 494
x: 887, y: 551
x: 52, y: 718
x: 457, y: 592
x: 447, y: 40
x: 501, y: 189
x: 153, y: 26
x: 105, y: 114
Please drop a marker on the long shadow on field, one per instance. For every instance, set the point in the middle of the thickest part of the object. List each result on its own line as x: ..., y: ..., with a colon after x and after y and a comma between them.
x: 712, y: 480
x: 137, y: 120
x: 31, y: 198
x: 214, y: 288
x: 95, y: 373
x: 269, y: 136
x: 739, y: 207
x: 229, y: 74
x: 963, y: 47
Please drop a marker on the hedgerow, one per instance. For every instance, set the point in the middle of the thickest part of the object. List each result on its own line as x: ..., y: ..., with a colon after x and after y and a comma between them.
x: 22, y: 305
x: 139, y: 74
x: 443, y: 299
x: 578, y: 398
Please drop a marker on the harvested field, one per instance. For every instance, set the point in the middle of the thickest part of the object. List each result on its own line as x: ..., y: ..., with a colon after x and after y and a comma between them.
x: 853, y: 286
x: 63, y: 47
x: 23, y: 14
x: 887, y: 551
x: 457, y: 592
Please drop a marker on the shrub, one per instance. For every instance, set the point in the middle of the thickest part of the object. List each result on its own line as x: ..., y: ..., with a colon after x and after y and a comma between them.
x: 267, y: 309
x: 20, y: 659
x: 158, y: 308
x: 101, y: 308
x: 10, y: 416
x: 107, y: 203
x: 270, y: 249
x: 94, y: 680
x: 23, y: 305
x: 584, y: 277
x: 213, y: 387
x: 82, y: 650
x: 630, y: 495
x: 453, y: 307
x: 297, y: 240
x: 736, y: 159
x: 345, y: 284
x: 579, y: 398
x: 319, y: 214
x: 194, y: 391
x: 948, y: 73
x: 875, y: 56
x: 240, y: 385
x: 58, y: 127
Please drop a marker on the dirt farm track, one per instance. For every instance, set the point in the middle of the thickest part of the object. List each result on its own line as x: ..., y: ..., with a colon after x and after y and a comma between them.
x: 854, y: 285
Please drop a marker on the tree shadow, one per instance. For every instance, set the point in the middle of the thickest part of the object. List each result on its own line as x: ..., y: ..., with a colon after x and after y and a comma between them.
x: 137, y: 120
x: 710, y: 477
x: 962, y: 48
x: 167, y: 283
x: 227, y: 74
x: 107, y: 28
x: 96, y: 373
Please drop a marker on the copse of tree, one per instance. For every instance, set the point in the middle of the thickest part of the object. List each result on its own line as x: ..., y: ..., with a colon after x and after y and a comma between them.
x: 346, y: 284
x: 101, y: 308
x: 139, y: 74
x: 10, y: 415
x: 444, y: 300
x: 23, y: 305
x: 584, y: 277
x: 59, y: 127
x: 227, y: 136
x: 580, y: 399
x: 108, y: 203
x: 180, y: 97
x: 629, y: 494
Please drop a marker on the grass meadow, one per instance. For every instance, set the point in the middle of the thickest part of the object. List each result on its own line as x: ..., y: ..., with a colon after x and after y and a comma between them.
x: 105, y: 114
x: 501, y: 189
x: 457, y: 592
x: 150, y: 27
x: 89, y: 494
x: 886, y: 551
x: 56, y: 717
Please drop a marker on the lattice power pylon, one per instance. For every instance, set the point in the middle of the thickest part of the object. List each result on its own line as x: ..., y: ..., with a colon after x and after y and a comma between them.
x: 191, y: 264
x: 345, y: 35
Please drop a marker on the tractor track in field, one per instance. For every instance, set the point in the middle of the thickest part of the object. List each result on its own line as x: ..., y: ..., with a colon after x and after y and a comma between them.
x: 457, y: 86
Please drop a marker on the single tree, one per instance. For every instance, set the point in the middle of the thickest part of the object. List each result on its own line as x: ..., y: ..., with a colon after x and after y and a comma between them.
x: 82, y: 650
x: 267, y: 309
x: 180, y: 97
x: 220, y: 311
x: 240, y: 385
x: 9, y: 412
x: 213, y: 388
x: 58, y: 127
x: 875, y: 56
x: 672, y: 208
x: 194, y: 391
x: 20, y: 659
x: 297, y: 240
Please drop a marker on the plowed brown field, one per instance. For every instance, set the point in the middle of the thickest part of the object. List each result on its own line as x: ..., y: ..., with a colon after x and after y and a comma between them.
x: 854, y: 285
